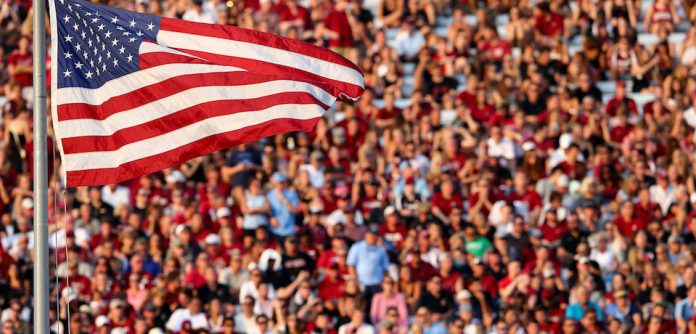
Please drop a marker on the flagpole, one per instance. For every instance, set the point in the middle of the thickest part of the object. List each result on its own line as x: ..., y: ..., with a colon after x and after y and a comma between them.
x: 41, y: 302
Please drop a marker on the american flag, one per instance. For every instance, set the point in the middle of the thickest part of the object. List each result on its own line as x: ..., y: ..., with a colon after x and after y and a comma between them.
x: 134, y: 93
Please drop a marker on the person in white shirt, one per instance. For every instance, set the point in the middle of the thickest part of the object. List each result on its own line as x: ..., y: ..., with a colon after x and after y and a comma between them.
x: 409, y: 41
x: 315, y: 169
x: 356, y: 325
x: 662, y: 193
x: 499, y: 146
x: 115, y: 195
x: 192, y: 313
x: 197, y: 14
x: 245, y: 321
x: 250, y: 288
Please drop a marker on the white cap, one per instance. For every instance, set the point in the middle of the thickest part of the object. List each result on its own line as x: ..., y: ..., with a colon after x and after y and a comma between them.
x: 223, y: 212
x: 175, y: 177
x: 212, y: 239
x: 336, y: 218
x: 101, y: 320
x: 179, y: 228
x: 565, y: 140
x: 562, y: 181
x: 389, y: 210
x: 528, y: 146
x: 268, y: 255
x: 27, y: 203
x: 464, y: 294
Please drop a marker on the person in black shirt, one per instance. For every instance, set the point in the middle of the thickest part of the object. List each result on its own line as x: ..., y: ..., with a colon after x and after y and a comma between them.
x: 518, y: 240
x: 438, y: 85
x: 573, y: 237
x: 586, y: 88
x: 293, y: 261
x: 435, y: 299
x: 212, y: 289
x: 533, y: 102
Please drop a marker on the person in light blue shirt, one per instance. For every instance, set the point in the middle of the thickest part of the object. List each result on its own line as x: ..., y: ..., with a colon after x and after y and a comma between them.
x: 368, y: 261
x: 428, y: 323
x: 577, y: 310
x: 684, y: 309
x: 255, y: 208
x: 284, y: 202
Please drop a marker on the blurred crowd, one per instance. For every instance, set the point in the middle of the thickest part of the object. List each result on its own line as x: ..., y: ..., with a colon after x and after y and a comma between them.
x: 513, y: 167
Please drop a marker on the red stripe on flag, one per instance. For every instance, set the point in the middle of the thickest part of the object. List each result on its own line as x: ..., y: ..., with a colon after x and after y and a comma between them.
x: 186, y: 152
x: 334, y: 87
x: 155, y: 92
x: 255, y: 37
x: 181, y: 119
x: 152, y: 59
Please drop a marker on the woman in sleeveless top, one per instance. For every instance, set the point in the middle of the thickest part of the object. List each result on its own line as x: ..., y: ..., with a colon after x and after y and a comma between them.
x: 687, y: 54
x: 255, y: 208
x: 17, y: 132
x: 662, y: 14
x: 389, y: 12
x: 620, y: 10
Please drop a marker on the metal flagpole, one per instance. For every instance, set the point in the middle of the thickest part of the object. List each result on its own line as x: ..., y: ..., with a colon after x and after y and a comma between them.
x: 41, y: 316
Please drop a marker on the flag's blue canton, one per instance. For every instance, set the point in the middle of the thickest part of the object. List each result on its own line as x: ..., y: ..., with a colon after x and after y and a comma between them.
x: 98, y: 43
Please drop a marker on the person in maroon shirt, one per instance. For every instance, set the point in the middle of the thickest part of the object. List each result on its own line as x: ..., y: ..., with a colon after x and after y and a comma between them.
x: 644, y: 209
x: 523, y: 193
x: 552, y: 230
x: 332, y: 288
x: 621, y: 129
x: 446, y: 199
x: 337, y: 27
x: 105, y: 233
x: 293, y: 15
x: 20, y: 63
x: 393, y: 230
x: 572, y: 166
x: 627, y: 222
x: 481, y: 110
x: 494, y: 48
x: 387, y: 115
x: 620, y: 100
x: 468, y: 96
x: 547, y: 22
x: 451, y: 279
x: 420, y: 270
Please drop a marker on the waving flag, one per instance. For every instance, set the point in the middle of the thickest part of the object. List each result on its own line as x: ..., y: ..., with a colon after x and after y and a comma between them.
x: 134, y: 93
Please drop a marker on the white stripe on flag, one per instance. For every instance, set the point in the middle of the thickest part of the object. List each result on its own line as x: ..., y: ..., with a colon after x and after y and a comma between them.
x: 188, y: 134
x: 268, y: 54
x: 135, y: 81
x: 182, y: 100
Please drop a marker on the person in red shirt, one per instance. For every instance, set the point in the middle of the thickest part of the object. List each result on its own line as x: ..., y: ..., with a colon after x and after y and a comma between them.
x: 552, y: 230
x: 627, y: 222
x: 523, y: 193
x: 572, y: 166
x: 644, y: 210
x: 20, y: 63
x: 621, y: 129
x: 445, y: 200
x: 451, y: 278
x: 393, y: 230
x: 621, y: 100
x: 547, y: 22
x: 337, y: 27
x: 387, y: 115
x: 293, y: 15
x: 481, y: 110
x: 332, y: 288
x: 493, y: 47
x: 468, y: 96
